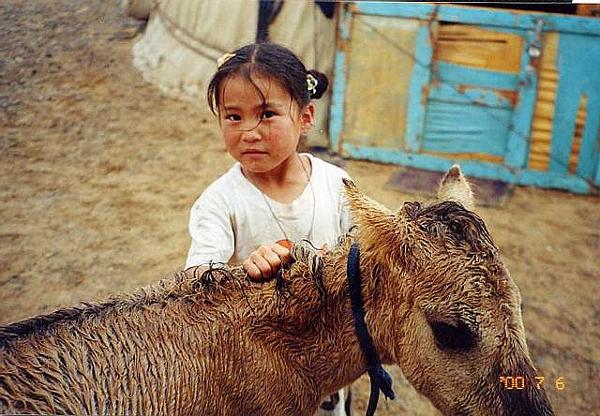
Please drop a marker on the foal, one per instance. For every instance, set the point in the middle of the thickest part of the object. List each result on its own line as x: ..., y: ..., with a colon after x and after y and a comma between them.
x: 438, y: 300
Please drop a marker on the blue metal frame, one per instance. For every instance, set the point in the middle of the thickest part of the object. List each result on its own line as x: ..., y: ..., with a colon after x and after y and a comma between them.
x: 470, y: 15
x: 415, y: 116
x: 580, y: 57
x: 517, y: 148
x: 471, y: 168
x: 514, y: 170
x: 338, y: 96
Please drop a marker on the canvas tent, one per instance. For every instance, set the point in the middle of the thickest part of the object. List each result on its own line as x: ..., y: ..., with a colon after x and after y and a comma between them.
x: 184, y: 38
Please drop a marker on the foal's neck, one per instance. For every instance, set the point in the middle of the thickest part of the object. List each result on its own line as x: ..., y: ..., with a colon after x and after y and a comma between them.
x: 330, y: 343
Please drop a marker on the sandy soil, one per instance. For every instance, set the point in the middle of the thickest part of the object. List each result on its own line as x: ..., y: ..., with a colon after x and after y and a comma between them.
x: 98, y: 171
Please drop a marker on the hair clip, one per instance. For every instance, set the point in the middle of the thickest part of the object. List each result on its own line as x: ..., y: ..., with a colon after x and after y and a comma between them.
x: 223, y: 59
x: 311, y: 83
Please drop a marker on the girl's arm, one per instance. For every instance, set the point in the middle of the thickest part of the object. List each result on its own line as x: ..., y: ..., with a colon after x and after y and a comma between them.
x: 213, y: 239
x: 211, y: 231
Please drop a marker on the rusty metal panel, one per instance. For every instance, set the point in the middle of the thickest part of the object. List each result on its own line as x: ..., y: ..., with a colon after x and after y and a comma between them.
x: 379, y: 74
x: 472, y: 94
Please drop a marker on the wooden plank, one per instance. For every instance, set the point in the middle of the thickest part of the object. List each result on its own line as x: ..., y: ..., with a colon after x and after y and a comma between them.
x: 579, y: 124
x: 540, y: 148
x: 541, y: 128
x: 484, y: 157
x: 544, y: 113
x: 539, y: 166
x: 539, y: 158
x: 547, y: 95
x: 541, y: 136
x: 476, y: 47
x: 544, y: 107
x: 547, y: 75
x: 542, y: 124
x: 548, y: 85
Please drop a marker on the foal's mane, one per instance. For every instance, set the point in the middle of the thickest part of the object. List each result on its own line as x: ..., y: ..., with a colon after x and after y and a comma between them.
x: 180, y: 287
x: 448, y: 221
x: 213, y: 285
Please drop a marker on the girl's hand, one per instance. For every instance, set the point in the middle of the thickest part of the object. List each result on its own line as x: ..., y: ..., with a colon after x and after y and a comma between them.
x: 265, y: 261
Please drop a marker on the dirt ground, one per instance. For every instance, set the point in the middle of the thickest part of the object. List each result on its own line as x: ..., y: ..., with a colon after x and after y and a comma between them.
x: 98, y: 171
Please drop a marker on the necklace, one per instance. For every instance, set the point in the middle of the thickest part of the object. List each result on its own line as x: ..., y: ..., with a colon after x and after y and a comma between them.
x: 312, y: 191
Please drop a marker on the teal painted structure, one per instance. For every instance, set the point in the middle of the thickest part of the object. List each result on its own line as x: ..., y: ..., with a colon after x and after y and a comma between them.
x: 443, y: 117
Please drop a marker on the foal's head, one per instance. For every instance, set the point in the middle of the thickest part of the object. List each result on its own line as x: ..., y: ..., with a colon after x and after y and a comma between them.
x: 443, y: 306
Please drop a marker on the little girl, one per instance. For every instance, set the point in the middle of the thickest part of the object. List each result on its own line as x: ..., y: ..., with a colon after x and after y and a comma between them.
x: 262, y: 94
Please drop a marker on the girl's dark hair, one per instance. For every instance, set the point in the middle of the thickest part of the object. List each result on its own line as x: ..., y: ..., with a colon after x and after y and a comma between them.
x: 271, y: 60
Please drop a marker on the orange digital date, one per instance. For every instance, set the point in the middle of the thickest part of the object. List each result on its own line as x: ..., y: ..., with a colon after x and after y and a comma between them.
x: 518, y: 382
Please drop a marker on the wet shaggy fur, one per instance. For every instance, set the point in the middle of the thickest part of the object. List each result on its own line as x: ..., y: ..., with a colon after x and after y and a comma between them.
x: 213, y: 343
x: 438, y: 300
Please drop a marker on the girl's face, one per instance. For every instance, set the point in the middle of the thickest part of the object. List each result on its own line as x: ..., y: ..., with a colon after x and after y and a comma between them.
x: 260, y: 133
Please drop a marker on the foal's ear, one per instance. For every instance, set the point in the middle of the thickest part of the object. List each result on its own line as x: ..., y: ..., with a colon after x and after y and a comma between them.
x: 367, y: 213
x: 454, y: 187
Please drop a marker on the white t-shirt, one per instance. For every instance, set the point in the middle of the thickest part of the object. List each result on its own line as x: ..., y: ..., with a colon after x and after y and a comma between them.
x: 231, y: 218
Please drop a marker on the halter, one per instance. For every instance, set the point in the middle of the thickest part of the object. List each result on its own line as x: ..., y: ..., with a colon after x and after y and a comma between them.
x: 380, y: 379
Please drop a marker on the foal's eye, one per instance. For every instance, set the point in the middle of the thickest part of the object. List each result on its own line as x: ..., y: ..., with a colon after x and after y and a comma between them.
x: 453, y: 337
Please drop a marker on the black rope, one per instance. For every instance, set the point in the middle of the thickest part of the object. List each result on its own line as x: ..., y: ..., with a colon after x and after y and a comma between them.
x: 380, y: 379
